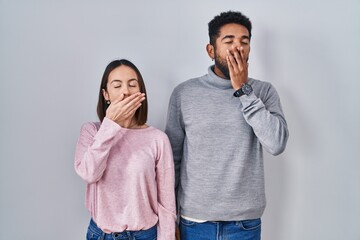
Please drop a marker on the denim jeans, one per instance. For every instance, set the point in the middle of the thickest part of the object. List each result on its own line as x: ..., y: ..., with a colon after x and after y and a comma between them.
x: 95, y: 233
x: 231, y: 230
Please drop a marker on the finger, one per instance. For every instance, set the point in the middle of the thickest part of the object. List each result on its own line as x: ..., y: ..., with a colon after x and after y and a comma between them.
x: 135, y: 100
x: 122, y: 96
x: 135, y: 104
x: 243, y: 57
x: 244, y: 60
x: 124, y: 99
x: 131, y: 111
x: 124, y: 102
x: 231, y: 69
x: 122, y: 108
x: 232, y: 62
x: 238, y: 58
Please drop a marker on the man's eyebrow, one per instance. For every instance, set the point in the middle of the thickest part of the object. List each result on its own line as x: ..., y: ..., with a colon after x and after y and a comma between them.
x: 228, y: 36
x: 232, y: 37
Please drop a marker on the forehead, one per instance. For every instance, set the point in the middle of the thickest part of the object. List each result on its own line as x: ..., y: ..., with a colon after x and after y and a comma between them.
x: 122, y: 73
x: 234, y: 29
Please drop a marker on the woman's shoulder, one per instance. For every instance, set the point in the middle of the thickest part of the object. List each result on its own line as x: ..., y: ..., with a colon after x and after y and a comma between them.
x: 156, y: 132
x: 96, y: 125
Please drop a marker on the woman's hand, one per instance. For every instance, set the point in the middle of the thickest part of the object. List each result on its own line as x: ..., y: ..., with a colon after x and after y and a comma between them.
x: 123, y: 109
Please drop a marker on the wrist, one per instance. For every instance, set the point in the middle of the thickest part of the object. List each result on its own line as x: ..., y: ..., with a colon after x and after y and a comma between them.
x: 245, y: 89
x: 238, y: 86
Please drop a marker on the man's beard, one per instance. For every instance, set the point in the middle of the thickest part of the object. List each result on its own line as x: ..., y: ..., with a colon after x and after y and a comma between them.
x: 221, y: 64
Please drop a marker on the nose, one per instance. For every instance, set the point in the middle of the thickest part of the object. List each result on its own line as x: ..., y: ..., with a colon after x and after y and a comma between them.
x: 236, y: 45
x: 126, y: 91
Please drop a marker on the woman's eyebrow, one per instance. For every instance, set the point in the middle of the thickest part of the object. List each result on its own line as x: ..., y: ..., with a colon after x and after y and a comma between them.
x: 118, y: 80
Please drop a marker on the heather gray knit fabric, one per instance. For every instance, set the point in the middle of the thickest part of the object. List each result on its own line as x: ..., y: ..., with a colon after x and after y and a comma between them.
x: 217, y: 141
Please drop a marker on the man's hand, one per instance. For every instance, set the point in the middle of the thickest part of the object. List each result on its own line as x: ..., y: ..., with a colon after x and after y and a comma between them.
x: 123, y: 109
x: 238, y: 67
x: 177, y: 233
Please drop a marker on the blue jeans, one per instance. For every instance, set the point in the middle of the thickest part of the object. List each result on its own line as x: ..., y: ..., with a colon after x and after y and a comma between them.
x: 231, y: 230
x: 95, y: 233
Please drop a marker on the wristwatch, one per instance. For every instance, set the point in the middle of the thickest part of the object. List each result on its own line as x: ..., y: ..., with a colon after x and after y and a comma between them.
x: 245, y: 89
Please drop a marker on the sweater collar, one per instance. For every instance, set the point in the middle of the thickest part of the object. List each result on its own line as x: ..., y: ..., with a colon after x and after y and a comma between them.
x: 217, y: 81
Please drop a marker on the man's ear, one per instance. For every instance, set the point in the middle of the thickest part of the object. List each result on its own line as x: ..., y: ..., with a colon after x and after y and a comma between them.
x: 210, y: 50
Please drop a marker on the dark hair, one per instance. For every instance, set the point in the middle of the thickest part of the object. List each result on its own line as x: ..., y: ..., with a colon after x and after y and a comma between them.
x: 141, y: 112
x: 226, y: 18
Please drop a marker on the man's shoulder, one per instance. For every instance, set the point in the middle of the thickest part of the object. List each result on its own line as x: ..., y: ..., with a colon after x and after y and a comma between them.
x: 262, y: 89
x: 260, y: 83
x: 188, y: 84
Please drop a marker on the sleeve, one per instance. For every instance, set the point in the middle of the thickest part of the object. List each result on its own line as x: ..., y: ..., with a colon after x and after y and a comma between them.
x: 175, y: 130
x: 165, y: 192
x: 267, y: 120
x: 92, y: 149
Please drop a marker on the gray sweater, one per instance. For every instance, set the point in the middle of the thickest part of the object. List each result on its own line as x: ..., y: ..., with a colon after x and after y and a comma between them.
x: 217, y: 141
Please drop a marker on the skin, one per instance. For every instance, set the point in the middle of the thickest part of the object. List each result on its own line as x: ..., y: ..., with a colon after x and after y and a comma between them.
x: 123, y: 92
x: 177, y: 233
x: 231, y: 53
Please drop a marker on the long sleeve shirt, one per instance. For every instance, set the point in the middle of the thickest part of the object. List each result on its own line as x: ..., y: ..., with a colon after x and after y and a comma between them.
x: 218, y: 142
x: 130, y: 177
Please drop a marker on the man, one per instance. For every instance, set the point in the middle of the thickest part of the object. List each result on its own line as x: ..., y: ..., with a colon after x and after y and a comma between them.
x: 218, y: 125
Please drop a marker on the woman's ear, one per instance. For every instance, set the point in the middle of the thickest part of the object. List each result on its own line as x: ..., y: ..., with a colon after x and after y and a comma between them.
x: 105, y: 94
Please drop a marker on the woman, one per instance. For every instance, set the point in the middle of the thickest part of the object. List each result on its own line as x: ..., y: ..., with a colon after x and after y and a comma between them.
x: 127, y: 164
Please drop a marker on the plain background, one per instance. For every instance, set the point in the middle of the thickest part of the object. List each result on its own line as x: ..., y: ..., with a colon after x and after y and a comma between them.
x: 52, y: 57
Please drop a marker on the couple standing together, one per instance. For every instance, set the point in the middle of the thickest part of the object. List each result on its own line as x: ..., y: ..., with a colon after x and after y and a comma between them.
x: 212, y: 152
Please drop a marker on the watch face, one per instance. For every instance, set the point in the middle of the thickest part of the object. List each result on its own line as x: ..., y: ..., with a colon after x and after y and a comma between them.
x: 247, y: 89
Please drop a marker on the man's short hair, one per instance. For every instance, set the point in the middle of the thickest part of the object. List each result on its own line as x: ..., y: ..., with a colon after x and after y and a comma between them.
x: 226, y: 18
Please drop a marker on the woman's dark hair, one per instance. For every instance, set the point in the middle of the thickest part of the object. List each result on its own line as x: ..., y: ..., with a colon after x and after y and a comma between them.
x: 141, y: 112
x: 226, y: 18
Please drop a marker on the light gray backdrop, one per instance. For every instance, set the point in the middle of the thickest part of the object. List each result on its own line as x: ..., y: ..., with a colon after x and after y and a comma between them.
x: 52, y: 56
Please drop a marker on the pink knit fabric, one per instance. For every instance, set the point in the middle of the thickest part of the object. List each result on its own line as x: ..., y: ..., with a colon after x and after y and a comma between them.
x: 130, y: 177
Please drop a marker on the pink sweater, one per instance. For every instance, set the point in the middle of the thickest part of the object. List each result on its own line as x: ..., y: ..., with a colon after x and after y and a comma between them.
x: 130, y: 177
